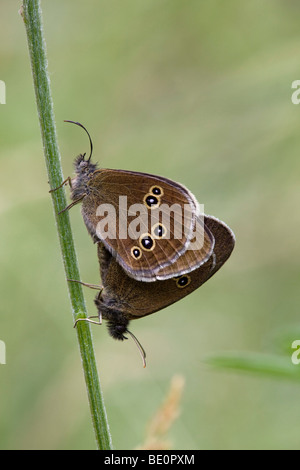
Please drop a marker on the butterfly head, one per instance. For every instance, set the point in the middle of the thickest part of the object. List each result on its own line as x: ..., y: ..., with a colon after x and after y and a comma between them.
x: 83, y: 167
x: 84, y: 170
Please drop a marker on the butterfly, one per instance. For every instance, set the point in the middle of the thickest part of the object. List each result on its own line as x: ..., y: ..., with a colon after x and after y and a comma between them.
x: 122, y: 298
x: 146, y: 222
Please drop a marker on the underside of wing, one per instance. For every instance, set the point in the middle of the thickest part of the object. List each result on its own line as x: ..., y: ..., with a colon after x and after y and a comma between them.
x: 145, y: 221
x: 137, y: 299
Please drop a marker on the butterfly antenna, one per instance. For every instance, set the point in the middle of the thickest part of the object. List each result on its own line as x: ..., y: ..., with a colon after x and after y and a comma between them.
x: 140, y: 347
x: 90, y: 139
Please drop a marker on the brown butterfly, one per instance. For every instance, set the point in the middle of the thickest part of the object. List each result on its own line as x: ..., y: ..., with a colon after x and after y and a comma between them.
x: 150, y: 246
x: 123, y: 298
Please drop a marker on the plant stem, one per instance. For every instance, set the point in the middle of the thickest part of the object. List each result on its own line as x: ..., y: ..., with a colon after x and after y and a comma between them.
x: 31, y: 13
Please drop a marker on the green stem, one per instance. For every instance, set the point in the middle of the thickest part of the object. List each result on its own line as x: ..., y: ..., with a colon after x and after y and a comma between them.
x: 31, y: 13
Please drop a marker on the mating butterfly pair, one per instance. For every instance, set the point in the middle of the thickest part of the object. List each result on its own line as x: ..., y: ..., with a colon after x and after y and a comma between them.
x: 145, y: 266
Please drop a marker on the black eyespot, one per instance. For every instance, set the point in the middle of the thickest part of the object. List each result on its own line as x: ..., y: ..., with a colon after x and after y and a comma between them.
x: 151, y: 200
x: 136, y: 252
x: 159, y: 231
x: 156, y: 190
x: 147, y: 242
x: 183, y: 281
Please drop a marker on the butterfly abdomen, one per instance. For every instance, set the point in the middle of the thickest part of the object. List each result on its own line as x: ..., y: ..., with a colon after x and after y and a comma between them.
x: 117, y: 330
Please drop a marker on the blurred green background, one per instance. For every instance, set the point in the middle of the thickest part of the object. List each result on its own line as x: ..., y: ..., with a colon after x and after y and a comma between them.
x: 199, y: 92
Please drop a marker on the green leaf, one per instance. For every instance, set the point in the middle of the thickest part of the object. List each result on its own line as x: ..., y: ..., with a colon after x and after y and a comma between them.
x: 261, y: 364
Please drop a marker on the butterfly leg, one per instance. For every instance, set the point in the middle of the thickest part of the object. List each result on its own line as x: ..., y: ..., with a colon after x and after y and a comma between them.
x: 72, y: 203
x: 67, y: 180
x: 89, y: 320
x: 91, y: 286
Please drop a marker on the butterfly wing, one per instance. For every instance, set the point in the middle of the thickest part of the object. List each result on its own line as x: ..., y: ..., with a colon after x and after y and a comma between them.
x: 136, y: 299
x: 224, y: 243
x: 146, y: 222
x: 196, y: 254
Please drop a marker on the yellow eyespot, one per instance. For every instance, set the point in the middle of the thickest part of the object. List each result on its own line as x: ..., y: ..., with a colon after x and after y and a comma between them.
x: 156, y: 190
x: 151, y: 201
x: 146, y: 242
x: 182, y: 281
x: 159, y: 231
x: 136, y: 252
